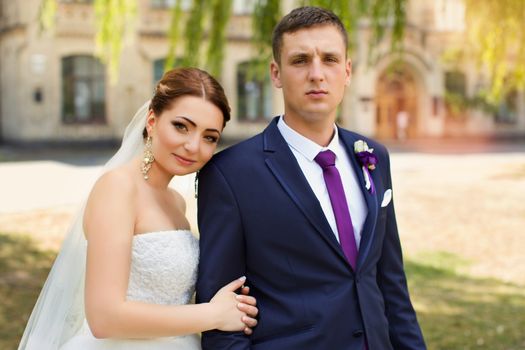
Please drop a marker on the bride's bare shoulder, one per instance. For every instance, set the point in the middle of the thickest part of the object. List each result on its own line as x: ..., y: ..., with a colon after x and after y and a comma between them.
x: 113, y: 196
x: 116, y: 183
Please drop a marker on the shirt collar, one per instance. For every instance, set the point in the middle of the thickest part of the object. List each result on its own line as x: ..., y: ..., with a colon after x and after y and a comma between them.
x: 308, y: 148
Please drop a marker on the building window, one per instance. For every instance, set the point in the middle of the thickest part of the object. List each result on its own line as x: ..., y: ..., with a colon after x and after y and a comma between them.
x: 243, y: 7
x: 507, y: 110
x: 158, y: 68
x: 83, y: 90
x: 456, y: 101
x: 456, y: 82
x: 254, y: 94
x: 166, y: 4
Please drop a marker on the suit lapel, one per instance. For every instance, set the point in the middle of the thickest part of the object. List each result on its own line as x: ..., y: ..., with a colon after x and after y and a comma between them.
x: 367, y: 234
x: 283, y: 165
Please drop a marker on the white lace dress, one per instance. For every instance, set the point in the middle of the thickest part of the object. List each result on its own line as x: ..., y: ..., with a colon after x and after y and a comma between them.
x: 163, y: 271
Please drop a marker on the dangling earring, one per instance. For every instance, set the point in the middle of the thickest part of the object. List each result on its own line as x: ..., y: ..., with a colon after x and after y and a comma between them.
x: 148, y: 159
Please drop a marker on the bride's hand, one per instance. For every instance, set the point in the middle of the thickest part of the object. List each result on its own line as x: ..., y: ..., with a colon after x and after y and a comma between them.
x: 236, y: 312
x: 247, y: 305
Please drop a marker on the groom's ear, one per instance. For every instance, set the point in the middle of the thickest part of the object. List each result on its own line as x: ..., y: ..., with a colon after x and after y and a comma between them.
x: 275, y: 74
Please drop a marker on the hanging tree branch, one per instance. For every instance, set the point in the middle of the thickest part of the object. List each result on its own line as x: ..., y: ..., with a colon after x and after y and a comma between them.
x: 221, y: 10
x: 496, y: 32
x: 174, y: 34
x: 113, y: 20
x: 194, y: 33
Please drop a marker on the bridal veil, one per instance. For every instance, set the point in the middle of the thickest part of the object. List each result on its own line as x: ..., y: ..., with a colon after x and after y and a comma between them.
x: 59, y: 310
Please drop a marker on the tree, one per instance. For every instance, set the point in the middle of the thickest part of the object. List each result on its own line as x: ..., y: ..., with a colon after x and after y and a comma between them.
x: 208, y: 19
x: 496, y: 32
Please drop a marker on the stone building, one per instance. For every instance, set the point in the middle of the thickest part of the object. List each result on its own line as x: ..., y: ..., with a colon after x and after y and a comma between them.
x: 53, y: 89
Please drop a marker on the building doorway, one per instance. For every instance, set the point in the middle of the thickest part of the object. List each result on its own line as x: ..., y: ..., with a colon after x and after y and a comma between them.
x: 397, y: 107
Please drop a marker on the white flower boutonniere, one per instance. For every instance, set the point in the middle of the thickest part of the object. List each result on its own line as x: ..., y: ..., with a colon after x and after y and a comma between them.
x: 368, y: 161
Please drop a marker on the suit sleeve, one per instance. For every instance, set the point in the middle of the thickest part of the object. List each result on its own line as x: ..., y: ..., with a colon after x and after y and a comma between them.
x: 404, y: 329
x: 222, y: 249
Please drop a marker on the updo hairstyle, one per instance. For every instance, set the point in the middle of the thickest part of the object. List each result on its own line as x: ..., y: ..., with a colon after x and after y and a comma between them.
x: 180, y: 82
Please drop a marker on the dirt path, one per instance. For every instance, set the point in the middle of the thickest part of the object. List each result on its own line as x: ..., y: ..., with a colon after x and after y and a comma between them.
x: 469, y: 205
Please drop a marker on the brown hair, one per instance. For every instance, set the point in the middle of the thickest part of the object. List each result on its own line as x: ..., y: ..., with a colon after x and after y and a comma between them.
x: 180, y: 82
x: 301, y: 18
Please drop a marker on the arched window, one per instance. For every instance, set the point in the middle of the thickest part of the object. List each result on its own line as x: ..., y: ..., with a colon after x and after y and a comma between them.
x: 254, y: 94
x: 83, y: 90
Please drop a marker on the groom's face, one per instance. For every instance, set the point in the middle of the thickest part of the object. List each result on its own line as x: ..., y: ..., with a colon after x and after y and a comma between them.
x: 313, y: 72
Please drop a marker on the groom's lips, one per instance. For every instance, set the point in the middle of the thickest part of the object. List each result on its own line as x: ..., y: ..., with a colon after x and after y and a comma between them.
x: 184, y: 161
x: 317, y: 93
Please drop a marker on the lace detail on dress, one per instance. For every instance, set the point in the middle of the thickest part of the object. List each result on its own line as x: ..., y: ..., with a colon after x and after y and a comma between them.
x: 163, y: 267
x: 163, y: 271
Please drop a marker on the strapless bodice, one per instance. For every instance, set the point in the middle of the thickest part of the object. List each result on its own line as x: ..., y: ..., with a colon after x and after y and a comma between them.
x: 163, y: 270
x: 163, y: 267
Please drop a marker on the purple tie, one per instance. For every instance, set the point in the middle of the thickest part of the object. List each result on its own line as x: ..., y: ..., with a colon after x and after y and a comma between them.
x: 326, y: 159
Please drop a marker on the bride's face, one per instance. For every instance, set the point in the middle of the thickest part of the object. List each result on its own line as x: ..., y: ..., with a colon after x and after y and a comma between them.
x: 186, y: 135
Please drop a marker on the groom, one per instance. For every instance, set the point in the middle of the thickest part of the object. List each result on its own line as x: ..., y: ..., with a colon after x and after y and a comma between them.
x: 304, y: 211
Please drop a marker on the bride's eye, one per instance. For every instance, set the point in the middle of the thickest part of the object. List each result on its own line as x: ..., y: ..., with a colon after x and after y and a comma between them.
x: 211, y: 139
x: 179, y: 126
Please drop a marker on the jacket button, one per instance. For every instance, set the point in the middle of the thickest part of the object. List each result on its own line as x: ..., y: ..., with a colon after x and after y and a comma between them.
x: 358, y: 333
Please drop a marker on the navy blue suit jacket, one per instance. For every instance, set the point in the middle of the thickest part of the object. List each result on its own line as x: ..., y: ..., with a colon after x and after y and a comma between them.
x: 259, y: 217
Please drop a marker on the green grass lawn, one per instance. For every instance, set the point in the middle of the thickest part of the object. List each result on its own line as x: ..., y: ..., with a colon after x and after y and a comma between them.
x: 456, y: 311
x: 23, y: 270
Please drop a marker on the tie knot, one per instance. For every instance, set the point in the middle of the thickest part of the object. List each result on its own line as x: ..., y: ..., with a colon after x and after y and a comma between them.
x: 325, y: 159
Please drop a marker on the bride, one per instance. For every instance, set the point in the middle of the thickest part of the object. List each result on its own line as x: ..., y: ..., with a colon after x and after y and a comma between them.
x: 126, y: 273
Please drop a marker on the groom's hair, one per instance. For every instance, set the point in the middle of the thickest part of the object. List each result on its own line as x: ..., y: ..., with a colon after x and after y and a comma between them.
x: 181, y: 82
x: 301, y: 18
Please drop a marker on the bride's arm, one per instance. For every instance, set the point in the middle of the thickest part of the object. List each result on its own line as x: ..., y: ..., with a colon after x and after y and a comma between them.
x: 109, y: 224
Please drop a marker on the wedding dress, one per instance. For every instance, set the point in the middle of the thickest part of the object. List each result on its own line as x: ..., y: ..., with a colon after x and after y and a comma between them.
x: 163, y: 271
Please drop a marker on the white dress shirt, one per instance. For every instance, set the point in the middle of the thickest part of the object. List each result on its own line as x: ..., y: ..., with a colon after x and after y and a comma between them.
x: 305, y: 150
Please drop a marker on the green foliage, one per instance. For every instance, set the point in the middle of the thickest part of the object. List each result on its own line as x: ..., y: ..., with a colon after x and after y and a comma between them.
x: 209, y: 19
x: 457, y: 104
x: 385, y: 17
x: 496, y: 32
x: 174, y: 34
x: 221, y: 10
x: 266, y: 15
x: 48, y: 8
x: 114, y: 19
x: 194, y: 33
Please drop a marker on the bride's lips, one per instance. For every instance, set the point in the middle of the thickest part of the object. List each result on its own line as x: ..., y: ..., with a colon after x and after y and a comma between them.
x: 183, y: 161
